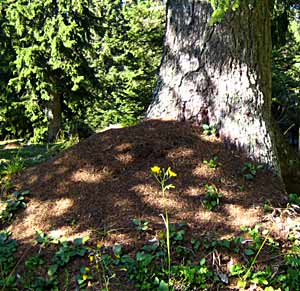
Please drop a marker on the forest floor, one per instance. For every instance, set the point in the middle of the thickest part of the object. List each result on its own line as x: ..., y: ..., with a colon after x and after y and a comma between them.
x: 98, y: 187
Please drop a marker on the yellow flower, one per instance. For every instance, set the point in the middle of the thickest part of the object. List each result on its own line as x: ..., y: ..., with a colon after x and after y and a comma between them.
x: 156, y: 170
x: 171, y: 173
x: 99, y: 245
x: 91, y: 258
x: 84, y: 277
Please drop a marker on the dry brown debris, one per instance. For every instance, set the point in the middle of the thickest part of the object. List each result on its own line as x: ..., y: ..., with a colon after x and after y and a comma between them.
x: 104, y: 182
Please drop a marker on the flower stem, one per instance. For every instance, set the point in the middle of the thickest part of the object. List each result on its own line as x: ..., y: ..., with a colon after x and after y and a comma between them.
x: 167, y: 225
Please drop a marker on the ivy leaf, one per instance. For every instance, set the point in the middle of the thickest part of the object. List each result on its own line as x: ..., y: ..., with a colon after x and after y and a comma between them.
x: 249, y: 252
x: 117, y: 249
x: 163, y: 286
x: 52, y: 270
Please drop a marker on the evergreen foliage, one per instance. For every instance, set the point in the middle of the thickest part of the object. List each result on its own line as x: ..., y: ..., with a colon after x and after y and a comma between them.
x: 12, y: 120
x: 75, y: 62
x: 286, y: 67
x: 50, y: 41
x: 99, y: 59
x: 128, y: 57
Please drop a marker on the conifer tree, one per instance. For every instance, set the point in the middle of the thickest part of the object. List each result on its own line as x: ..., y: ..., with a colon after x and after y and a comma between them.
x: 51, y: 40
x: 12, y: 120
x: 92, y: 61
x: 129, y: 55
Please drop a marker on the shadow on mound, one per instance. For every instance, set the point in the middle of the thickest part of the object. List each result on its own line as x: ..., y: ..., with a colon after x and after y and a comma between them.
x: 104, y: 182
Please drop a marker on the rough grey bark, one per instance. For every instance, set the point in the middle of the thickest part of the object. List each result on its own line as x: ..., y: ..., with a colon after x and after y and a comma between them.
x: 220, y: 74
x: 54, y: 117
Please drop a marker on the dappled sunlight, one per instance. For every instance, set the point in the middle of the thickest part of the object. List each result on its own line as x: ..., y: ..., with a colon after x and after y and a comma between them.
x: 205, y: 216
x: 47, y: 178
x: 33, y: 179
x: 145, y: 177
x: 71, y: 233
x: 39, y: 216
x: 180, y: 153
x: 122, y: 204
x: 202, y: 171
x: 105, y: 181
x: 61, y: 206
x: 57, y: 162
x: 123, y: 147
x: 61, y: 170
x: 158, y: 202
x: 90, y: 177
x: 239, y: 215
x: 125, y: 158
x: 192, y: 191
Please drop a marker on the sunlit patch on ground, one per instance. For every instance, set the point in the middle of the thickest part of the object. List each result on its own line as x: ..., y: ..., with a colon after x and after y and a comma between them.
x: 106, y: 181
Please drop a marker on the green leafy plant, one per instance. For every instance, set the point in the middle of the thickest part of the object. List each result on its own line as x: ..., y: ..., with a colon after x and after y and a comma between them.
x: 290, y: 278
x: 13, y: 166
x: 8, y: 248
x: 42, y: 238
x: 209, y: 129
x: 141, y: 225
x: 234, y: 244
x: 251, y: 249
x: 212, y: 197
x: 191, y: 276
x: 12, y: 204
x: 60, y: 252
x: 213, y: 162
x: 66, y: 141
x: 6, y: 186
x: 250, y: 170
x: 34, y: 261
x: 101, y: 263
x: 259, y: 236
x: 39, y: 283
x: 294, y: 198
x: 147, y: 271
x: 162, y: 176
x: 66, y: 252
x: 84, y: 277
x: 176, y: 231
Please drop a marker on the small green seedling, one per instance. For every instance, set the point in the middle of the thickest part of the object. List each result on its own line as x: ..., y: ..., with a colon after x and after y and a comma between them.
x: 250, y: 171
x: 241, y: 188
x: 209, y: 129
x: 141, y: 225
x: 213, y: 162
x: 212, y: 197
x: 11, y: 205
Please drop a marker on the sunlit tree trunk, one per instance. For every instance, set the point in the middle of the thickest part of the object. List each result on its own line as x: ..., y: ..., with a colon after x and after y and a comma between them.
x: 220, y: 74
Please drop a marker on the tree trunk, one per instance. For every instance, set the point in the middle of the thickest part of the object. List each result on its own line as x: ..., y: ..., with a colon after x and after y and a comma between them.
x: 54, y: 117
x: 220, y: 74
